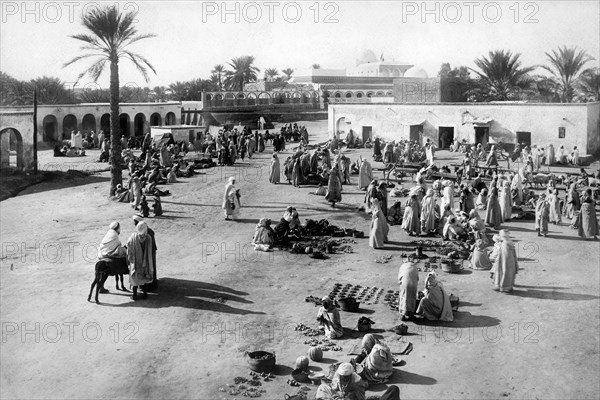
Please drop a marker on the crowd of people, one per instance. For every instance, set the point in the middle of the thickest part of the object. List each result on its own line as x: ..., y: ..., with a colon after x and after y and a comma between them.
x: 446, y: 208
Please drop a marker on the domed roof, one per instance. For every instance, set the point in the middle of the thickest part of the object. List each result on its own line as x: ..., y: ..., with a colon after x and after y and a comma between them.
x: 416, y: 72
x: 367, y: 56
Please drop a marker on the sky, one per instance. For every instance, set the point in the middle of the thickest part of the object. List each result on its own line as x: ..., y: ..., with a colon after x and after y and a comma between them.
x: 193, y: 36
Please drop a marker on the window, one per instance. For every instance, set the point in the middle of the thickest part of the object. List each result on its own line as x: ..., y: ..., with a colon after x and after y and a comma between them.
x: 561, y: 132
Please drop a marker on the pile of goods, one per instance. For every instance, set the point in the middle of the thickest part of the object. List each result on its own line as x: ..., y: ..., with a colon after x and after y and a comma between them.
x: 323, y: 245
x: 324, y: 228
x: 247, y: 387
x: 391, y: 299
x: 453, y: 249
x: 368, y: 295
x: 384, y: 259
x: 308, y: 331
x: 204, y: 163
x: 323, y: 345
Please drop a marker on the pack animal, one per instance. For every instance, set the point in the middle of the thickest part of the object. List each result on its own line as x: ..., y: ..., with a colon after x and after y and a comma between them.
x: 540, y: 180
x: 103, y: 270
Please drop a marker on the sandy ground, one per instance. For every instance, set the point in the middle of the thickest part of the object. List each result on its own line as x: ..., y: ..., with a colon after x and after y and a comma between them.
x: 542, y: 341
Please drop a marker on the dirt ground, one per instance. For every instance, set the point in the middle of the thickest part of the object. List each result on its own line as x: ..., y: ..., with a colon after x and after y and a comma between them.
x: 218, y: 298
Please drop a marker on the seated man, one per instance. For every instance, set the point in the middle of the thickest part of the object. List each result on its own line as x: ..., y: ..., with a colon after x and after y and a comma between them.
x: 346, y: 384
x: 329, y: 320
x: 395, y: 214
x: 376, y: 359
x: 435, y: 304
x: 263, y: 234
x: 287, y: 224
x: 453, y: 230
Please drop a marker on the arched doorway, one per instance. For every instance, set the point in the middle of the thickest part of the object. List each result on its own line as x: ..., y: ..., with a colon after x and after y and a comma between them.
x: 124, y: 124
x: 138, y: 124
x: 88, y: 123
x: 229, y: 100
x: 155, y: 120
x: 263, y: 98
x: 105, y: 124
x: 251, y: 99
x: 340, y: 126
x: 69, y: 125
x: 170, y: 119
x: 11, y: 149
x: 50, y: 128
x: 218, y: 100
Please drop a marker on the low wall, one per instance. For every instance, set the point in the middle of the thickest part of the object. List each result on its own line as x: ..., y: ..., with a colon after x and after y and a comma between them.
x: 251, y: 118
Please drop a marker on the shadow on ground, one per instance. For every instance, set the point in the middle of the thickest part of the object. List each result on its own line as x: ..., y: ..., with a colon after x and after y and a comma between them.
x: 192, y: 294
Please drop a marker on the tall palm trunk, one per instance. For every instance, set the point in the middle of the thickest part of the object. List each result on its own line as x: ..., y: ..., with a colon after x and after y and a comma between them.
x: 115, y: 142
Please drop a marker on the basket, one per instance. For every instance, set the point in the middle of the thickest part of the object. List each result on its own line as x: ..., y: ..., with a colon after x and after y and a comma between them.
x: 349, y: 304
x: 261, y: 361
x: 301, y: 375
x: 451, y: 267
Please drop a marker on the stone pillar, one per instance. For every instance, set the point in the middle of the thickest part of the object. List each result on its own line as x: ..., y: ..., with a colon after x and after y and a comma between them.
x: 5, y: 149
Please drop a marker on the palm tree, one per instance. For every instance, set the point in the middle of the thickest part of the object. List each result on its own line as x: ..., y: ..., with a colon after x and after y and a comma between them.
x: 179, y: 91
x: 243, y: 72
x: 51, y: 91
x: 589, y: 85
x: 316, y: 66
x: 288, y: 73
x: 109, y: 35
x: 160, y: 93
x: 219, y: 71
x: 501, y: 77
x: 546, y: 89
x: 17, y: 93
x: 565, y: 64
x: 271, y: 74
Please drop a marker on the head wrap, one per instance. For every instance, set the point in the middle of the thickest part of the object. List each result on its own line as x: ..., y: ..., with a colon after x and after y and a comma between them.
x: 368, y: 342
x: 114, y: 225
x: 345, y: 369
x: 141, y: 228
x: 137, y: 218
x: 432, y: 278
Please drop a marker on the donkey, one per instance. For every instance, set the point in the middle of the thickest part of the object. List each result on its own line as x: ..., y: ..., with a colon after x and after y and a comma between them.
x: 103, y: 271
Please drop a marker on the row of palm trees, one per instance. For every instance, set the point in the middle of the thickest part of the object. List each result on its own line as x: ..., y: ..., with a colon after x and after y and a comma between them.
x: 54, y: 91
x: 502, y: 77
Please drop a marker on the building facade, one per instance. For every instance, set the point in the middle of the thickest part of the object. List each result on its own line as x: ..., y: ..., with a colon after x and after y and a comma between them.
x: 568, y: 125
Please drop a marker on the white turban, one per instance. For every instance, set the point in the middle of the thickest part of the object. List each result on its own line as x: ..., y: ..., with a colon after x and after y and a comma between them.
x: 345, y: 369
x: 114, y: 225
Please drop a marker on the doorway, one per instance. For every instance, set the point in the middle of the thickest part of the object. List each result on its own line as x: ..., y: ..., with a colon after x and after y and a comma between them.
x: 416, y: 134
x: 524, y: 138
x: 446, y: 136
x: 367, y: 131
x: 482, y: 135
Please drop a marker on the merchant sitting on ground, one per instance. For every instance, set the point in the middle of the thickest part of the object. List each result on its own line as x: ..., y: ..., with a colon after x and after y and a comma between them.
x: 329, y: 320
x: 435, y: 304
x: 289, y: 223
x: 264, y: 237
x: 376, y: 359
x: 346, y: 384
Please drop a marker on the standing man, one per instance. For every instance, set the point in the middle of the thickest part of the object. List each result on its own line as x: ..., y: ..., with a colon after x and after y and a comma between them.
x: 154, y: 284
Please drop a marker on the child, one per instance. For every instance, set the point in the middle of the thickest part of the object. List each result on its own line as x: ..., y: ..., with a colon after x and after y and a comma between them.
x: 144, y: 209
x: 157, y: 207
x: 479, y: 258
